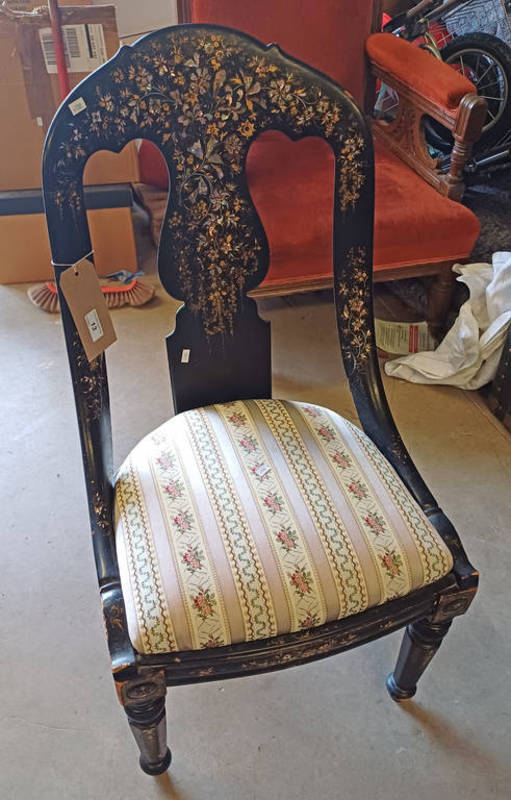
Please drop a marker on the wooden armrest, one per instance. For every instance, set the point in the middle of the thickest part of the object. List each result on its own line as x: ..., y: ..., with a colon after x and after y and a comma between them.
x: 406, y: 66
x: 426, y: 85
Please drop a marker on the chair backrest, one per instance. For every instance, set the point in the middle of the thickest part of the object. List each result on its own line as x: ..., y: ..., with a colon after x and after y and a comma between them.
x: 328, y: 34
x: 202, y: 94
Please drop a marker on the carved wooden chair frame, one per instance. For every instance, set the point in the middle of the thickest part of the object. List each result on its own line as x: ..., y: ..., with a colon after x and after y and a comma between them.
x: 253, y: 88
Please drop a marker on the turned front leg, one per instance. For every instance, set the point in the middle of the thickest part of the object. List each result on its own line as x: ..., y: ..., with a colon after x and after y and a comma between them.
x: 420, y: 643
x: 144, y: 703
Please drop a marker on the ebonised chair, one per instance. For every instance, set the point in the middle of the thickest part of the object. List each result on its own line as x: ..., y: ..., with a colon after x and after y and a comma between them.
x: 246, y: 534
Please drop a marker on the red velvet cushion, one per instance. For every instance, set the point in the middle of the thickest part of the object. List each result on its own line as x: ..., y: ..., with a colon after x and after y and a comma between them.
x: 418, y: 69
x: 151, y: 165
x: 291, y: 184
x: 414, y: 224
x: 292, y: 187
x: 329, y: 34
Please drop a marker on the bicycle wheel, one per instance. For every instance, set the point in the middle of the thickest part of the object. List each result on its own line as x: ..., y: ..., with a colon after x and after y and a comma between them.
x: 486, y: 61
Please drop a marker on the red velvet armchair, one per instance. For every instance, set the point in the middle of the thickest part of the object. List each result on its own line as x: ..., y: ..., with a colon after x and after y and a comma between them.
x: 420, y: 228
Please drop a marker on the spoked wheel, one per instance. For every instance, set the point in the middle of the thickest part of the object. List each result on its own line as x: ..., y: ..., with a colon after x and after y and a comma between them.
x: 486, y: 61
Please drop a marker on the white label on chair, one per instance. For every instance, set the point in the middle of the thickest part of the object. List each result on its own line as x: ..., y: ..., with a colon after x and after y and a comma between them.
x: 185, y: 357
x: 261, y: 470
x: 77, y: 105
x: 94, y: 325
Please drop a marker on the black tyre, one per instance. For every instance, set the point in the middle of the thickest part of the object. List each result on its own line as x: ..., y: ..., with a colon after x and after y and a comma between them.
x: 486, y: 61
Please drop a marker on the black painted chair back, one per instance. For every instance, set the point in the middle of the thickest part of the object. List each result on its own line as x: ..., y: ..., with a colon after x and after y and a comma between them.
x: 202, y: 94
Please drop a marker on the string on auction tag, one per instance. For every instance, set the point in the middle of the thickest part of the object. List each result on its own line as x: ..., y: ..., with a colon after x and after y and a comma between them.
x: 75, y: 263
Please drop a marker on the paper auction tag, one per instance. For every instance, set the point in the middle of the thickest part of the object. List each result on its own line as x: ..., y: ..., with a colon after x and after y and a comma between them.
x: 82, y: 290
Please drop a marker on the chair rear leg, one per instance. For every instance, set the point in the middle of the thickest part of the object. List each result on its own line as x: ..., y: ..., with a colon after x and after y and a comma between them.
x: 420, y: 643
x: 144, y: 703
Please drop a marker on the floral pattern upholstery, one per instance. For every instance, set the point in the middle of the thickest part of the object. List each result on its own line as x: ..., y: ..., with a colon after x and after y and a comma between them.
x: 244, y: 520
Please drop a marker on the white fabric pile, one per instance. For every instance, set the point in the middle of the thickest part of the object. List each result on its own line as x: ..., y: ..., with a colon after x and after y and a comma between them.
x: 469, y: 355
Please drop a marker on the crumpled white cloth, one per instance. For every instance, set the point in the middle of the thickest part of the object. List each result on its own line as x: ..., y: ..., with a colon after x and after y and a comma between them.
x: 469, y: 354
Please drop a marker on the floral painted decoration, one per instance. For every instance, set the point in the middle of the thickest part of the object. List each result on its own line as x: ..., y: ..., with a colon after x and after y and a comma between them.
x: 202, y: 96
x: 354, y: 296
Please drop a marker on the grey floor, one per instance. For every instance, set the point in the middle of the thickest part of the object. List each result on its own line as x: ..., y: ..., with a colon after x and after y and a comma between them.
x: 326, y: 730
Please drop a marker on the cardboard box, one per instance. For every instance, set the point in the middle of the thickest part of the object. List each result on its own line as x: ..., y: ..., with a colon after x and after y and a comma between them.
x: 24, y: 246
x: 29, y: 97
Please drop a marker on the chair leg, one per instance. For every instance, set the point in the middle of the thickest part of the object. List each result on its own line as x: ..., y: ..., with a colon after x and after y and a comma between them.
x: 439, y: 300
x: 420, y: 643
x: 144, y: 703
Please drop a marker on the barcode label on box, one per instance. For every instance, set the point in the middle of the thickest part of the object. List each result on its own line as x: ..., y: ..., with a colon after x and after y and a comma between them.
x: 84, y: 47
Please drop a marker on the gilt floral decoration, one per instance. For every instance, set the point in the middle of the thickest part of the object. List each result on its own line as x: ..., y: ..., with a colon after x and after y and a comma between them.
x: 202, y: 97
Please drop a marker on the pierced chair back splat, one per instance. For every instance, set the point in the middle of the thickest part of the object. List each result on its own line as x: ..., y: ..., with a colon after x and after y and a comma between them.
x: 245, y: 534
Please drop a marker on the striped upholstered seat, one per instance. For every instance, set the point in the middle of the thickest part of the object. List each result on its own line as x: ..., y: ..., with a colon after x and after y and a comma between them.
x: 245, y: 520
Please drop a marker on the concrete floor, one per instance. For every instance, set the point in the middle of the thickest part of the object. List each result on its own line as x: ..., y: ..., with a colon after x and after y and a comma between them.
x: 326, y: 730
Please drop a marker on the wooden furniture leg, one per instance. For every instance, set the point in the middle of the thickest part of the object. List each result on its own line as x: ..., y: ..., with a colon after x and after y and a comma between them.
x: 420, y: 643
x: 144, y: 703
x: 499, y: 397
x: 439, y: 299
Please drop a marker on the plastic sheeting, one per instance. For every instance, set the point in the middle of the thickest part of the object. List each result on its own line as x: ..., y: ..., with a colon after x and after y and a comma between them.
x: 469, y: 354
